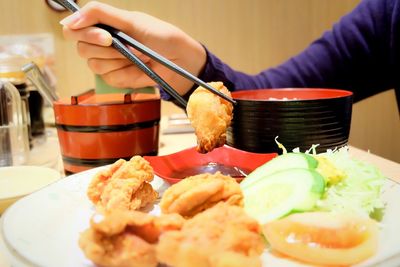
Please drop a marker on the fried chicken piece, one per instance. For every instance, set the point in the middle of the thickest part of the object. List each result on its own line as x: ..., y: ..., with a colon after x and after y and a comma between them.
x: 126, y: 238
x: 197, y: 193
x: 126, y: 194
x: 137, y: 167
x: 101, y: 179
x: 221, y: 236
x: 123, y: 186
x: 210, y: 116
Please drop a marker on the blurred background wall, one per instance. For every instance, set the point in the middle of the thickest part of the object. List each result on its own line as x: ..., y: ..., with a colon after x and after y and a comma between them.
x: 249, y: 35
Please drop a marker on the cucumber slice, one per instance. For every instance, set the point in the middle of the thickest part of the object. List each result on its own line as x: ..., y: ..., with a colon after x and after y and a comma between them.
x: 283, y: 162
x: 316, y: 192
x: 283, y: 192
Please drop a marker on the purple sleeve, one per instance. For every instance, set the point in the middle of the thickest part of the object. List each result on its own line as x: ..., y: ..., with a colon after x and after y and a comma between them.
x: 360, y: 53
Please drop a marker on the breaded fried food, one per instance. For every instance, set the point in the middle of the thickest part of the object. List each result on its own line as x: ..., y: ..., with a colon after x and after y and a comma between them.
x: 127, y: 194
x: 126, y: 238
x: 125, y: 185
x: 221, y: 236
x: 101, y: 179
x: 200, y: 192
x: 137, y: 167
x: 210, y: 116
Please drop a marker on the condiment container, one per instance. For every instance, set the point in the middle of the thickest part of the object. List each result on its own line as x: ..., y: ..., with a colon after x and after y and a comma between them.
x: 14, y: 140
x: 98, y: 129
x: 12, y: 58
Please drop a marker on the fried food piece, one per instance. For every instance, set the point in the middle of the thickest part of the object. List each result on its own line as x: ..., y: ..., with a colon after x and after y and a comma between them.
x: 123, y: 186
x: 126, y: 194
x: 126, y: 238
x: 200, y: 192
x: 210, y: 116
x: 101, y: 179
x: 137, y: 167
x: 220, y: 236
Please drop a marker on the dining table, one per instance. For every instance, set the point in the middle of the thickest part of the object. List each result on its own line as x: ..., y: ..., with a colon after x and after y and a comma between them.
x: 172, y: 142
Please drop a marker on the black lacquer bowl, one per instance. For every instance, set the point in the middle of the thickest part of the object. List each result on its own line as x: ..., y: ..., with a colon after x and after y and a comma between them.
x: 300, y: 117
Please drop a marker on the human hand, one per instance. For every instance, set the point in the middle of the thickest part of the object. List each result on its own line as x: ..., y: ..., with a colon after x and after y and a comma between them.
x: 93, y: 44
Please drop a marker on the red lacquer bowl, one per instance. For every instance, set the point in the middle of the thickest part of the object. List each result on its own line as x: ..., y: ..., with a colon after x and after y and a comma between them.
x: 230, y: 161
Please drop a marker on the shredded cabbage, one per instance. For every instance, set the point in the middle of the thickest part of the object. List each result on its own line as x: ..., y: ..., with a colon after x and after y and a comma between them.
x: 359, y: 192
x: 284, y: 151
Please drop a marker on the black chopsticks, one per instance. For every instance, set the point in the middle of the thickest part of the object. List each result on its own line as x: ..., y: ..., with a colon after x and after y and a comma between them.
x: 119, y: 37
x: 154, y: 76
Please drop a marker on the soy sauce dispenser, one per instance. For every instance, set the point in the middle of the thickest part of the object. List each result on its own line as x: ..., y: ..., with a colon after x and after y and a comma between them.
x: 12, y: 58
x: 14, y: 140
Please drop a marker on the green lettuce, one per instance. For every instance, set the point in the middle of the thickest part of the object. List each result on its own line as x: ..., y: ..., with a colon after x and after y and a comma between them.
x: 359, y: 192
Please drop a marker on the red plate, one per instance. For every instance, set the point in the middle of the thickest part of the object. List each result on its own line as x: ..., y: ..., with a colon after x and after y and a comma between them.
x: 188, y: 162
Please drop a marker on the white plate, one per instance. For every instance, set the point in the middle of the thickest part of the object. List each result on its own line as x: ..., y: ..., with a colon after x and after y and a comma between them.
x: 42, y: 229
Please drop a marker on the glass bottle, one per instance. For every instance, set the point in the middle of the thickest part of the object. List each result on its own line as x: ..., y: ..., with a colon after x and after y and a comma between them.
x: 14, y: 140
x: 12, y: 58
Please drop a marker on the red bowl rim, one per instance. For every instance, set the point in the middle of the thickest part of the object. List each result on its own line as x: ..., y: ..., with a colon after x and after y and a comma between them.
x: 292, y: 94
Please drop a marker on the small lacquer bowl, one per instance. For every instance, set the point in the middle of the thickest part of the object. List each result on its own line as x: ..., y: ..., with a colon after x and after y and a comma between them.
x: 19, y: 181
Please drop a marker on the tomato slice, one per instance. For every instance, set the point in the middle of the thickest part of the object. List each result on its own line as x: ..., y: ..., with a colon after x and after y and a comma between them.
x: 324, y: 238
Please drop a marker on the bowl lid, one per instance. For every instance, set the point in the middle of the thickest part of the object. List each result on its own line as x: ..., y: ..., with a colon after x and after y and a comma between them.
x: 18, y: 181
x: 90, y: 98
